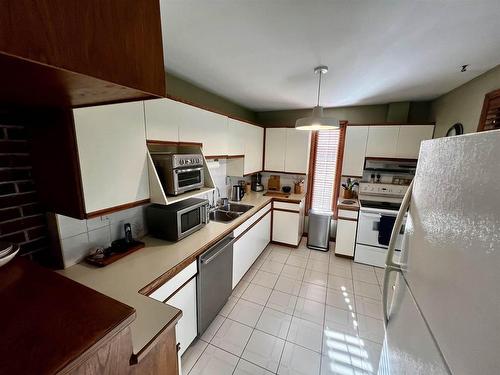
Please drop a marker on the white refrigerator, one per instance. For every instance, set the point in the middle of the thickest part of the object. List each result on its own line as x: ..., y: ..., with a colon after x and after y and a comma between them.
x: 443, y: 315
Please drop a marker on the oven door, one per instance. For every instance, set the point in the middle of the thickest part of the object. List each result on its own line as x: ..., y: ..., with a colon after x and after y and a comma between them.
x: 186, y: 179
x: 371, y: 223
x: 191, y: 219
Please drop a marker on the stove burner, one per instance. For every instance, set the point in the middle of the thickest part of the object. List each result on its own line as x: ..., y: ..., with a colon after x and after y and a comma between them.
x: 383, y: 205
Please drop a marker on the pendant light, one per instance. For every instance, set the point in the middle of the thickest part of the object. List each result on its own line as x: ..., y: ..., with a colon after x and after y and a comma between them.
x: 317, y: 121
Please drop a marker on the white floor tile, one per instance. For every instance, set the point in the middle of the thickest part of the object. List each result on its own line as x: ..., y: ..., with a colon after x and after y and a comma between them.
x: 302, y: 252
x: 361, y: 266
x: 340, y: 283
x: 323, y: 256
x: 297, y: 261
x: 368, y: 276
x: 282, y: 302
x: 310, y: 310
x: 305, y: 333
x: 191, y: 355
x: 336, y: 298
x: 246, y: 312
x: 232, y: 337
x: 371, y: 328
x: 274, y: 322
x: 341, y: 270
x: 249, y: 275
x: 297, y: 360
x: 372, y: 358
x: 339, y: 363
x: 369, y: 307
x: 239, y: 288
x: 315, y: 277
x: 264, y: 350
x: 215, y: 361
x: 293, y: 272
x: 312, y: 291
x: 288, y: 285
x: 380, y: 272
x: 279, y: 257
x: 228, y: 306
x: 264, y: 278
x: 367, y: 290
x: 247, y: 368
x: 270, y: 266
x: 338, y: 320
x: 256, y: 293
x: 213, y: 328
x: 317, y: 265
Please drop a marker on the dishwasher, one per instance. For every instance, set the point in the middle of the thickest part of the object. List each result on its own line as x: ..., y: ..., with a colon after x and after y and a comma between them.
x: 214, y: 281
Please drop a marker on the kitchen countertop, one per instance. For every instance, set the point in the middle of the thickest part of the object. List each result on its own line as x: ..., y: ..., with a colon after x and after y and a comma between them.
x: 49, y: 321
x: 352, y: 207
x: 129, y: 279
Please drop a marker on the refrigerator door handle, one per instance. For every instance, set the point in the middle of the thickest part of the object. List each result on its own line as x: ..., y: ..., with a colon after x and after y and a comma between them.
x: 398, y: 223
x: 390, y: 264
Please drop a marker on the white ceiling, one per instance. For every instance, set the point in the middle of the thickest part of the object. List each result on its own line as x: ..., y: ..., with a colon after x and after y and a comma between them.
x: 261, y: 53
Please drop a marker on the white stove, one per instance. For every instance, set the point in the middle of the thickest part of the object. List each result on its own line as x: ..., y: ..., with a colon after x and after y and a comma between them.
x: 379, y: 206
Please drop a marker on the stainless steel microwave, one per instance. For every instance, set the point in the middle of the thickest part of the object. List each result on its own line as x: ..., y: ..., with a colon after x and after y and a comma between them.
x: 179, y: 172
x: 177, y: 220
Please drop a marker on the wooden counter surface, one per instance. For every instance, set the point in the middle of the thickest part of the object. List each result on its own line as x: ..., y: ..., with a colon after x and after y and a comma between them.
x: 48, y: 321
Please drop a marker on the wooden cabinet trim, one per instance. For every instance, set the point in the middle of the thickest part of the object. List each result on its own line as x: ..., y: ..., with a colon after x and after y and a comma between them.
x: 192, y: 104
x: 110, y: 210
x: 285, y: 244
x: 283, y: 172
x: 347, y: 218
x: 285, y: 210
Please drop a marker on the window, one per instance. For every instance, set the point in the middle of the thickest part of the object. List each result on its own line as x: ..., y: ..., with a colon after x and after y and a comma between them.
x: 326, y: 152
x: 490, y: 115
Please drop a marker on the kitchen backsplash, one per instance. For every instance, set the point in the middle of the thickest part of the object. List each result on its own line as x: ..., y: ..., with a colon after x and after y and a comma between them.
x: 79, y: 236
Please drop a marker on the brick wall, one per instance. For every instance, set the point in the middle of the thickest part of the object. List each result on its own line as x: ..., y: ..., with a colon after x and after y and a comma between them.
x: 22, y: 219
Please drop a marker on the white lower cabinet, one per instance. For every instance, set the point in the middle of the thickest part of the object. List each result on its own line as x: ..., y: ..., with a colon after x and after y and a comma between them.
x: 288, y: 225
x: 184, y: 299
x: 249, y: 246
x: 346, y: 237
x: 187, y: 326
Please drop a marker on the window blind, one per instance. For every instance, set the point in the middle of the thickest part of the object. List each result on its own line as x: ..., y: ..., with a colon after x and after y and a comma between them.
x: 325, y: 168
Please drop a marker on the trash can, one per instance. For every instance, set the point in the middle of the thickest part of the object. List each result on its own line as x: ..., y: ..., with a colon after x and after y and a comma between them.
x: 318, y: 232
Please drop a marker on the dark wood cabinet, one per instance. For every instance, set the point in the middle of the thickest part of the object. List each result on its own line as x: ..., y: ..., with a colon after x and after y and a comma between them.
x: 77, y: 53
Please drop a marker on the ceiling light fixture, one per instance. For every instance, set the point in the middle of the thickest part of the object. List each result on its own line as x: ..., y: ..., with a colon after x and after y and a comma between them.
x: 317, y: 121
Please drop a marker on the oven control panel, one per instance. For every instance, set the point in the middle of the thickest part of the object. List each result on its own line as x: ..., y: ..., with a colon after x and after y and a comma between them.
x: 382, y: 189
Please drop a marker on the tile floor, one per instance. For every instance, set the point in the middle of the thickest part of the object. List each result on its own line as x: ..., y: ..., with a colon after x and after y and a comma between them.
x: 296, y: 311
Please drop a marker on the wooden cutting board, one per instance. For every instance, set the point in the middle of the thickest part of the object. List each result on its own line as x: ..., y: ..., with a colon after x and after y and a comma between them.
x: 274, y: 183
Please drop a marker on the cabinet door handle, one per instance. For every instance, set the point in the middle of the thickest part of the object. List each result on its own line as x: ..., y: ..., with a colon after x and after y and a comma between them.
x: 178, y: 347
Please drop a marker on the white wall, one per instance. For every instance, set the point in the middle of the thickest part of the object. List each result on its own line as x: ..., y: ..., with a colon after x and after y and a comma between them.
x: 464, y: 103
x: 78, y: 237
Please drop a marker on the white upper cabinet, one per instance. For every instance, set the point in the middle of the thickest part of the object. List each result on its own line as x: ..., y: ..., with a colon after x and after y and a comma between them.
x: 382, y: 141
x: 287, y: 150
x: 235, y: 137
x: 354, y: 150
x: 410, y: 137
x: 169, y: 120
x: 275, y: 149
x: 163, y: 119
x: 297, y: 150
x: 112, y: 154
x: 254, y: 147
x: 205, y: 127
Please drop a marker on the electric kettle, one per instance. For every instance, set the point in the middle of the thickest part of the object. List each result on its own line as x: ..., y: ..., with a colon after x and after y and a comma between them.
x: 237, y: 193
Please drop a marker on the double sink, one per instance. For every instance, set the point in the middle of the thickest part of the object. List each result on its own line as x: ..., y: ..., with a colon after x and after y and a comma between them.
x: 229, y: 212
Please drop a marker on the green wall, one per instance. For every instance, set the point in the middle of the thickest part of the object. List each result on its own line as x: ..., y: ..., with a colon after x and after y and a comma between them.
x: 182, y: 89
x: 464, y: 103
x: 179, y: 88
